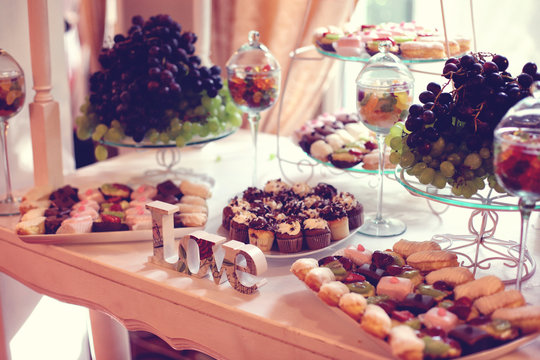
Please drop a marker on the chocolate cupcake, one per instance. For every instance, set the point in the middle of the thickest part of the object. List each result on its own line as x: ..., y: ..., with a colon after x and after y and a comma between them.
x: 239, y: 226
x: 337, y: 220
x: 325, y: 190
x: 316, y: 233
x: 233, y: 207
x: 353, y: 208
x: 289, y: 236
x: 261, y: 233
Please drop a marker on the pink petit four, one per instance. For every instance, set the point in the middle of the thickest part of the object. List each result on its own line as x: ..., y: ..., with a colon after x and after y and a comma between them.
x: 358, y: 254
x: 137, y: 210
x: 139, y: 201
x: 92, y: 194
x: 439, y: 317
x: 350, y: 46
x: 87, y: 203
x: 77, y: 224
x: 84, y: 210
x: 145, y: 191
x: 395, y: 287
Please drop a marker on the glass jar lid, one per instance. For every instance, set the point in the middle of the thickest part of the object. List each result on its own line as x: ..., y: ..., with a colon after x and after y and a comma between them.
x: 253, y: 55
x: 385, y: 71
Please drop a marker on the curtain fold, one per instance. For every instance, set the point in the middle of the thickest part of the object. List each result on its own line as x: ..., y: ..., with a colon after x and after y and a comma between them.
x: 280, y: 24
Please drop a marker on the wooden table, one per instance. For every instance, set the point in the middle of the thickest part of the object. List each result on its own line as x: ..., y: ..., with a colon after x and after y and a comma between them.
x: 283, y: 320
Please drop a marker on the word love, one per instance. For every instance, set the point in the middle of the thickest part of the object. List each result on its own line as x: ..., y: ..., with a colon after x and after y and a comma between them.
x: 201, y: 253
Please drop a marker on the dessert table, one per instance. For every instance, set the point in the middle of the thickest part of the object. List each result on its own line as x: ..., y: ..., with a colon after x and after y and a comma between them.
x: 284, y: 319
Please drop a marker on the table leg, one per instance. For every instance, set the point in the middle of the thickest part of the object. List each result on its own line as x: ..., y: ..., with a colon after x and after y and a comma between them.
x: 3, y: 348
x: 108, y: 338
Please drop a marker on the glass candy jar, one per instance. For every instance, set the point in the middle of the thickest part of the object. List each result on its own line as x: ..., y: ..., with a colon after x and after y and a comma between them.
x: 254, y: 78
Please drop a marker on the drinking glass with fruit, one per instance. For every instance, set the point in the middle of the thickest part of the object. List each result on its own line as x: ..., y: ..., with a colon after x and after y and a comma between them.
x: 12, y: 95
x: 384, y: 93
x: 254, y: 77
x: 517, y: 161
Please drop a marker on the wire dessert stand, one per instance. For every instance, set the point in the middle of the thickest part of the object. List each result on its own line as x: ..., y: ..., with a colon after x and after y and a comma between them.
x: 480, y: 250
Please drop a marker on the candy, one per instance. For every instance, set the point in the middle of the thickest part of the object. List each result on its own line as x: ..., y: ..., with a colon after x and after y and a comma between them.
x: 253, y: 88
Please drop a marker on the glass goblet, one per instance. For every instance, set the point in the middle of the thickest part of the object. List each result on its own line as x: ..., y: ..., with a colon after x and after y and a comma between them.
x: 517, y: 162
x: 12, y: 95
x: 384, y: 93
x: 253, y: 78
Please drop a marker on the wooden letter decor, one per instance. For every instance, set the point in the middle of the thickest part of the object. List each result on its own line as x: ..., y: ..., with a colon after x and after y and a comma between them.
x: 201, y: 253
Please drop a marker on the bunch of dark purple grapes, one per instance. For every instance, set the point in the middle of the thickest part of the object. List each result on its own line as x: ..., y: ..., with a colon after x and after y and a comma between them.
x: 151, y: 76
x: 448, y: 138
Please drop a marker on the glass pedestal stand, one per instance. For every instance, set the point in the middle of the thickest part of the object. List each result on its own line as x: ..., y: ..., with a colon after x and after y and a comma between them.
x: 168, y: 157
x: 479, y: 250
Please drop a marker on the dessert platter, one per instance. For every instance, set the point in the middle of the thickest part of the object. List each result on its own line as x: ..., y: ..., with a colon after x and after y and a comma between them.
x: 410, y: 41
x: 342, y: 141
x: 111, y: 212
x: 418, y: 299
x: 291, y: 220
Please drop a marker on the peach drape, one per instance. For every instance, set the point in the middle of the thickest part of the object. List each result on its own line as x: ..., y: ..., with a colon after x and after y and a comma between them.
x: 280, y: 24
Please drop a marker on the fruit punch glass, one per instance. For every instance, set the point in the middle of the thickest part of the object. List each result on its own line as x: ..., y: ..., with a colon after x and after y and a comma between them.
x: 12, y: 95
x: 517, y: 161
x: 384, y: 93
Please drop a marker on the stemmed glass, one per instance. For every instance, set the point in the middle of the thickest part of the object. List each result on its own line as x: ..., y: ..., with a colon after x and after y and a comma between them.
x: 384, y: 93
x: 12, y: 94
x: 517, y: 161
x: 253, y: 77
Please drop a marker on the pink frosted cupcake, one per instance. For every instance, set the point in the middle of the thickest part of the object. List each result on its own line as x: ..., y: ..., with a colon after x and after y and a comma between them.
x: 316, y: 233
x: 289, y: 236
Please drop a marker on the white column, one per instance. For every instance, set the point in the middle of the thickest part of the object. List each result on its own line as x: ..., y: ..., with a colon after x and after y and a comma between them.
x: 44, y: 111
x: 202, y: 19
x: 110, y: 340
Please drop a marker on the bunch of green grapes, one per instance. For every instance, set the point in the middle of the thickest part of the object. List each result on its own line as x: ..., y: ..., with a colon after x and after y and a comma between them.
x: 448, y: 138
x: 214, y: 116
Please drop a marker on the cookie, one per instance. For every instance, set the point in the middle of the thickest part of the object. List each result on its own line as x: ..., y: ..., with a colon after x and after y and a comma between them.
x: 503, y: 299
x: 406, y: 247
x: 429, y: 260
x: 483, y: 286
x: 526, y: 318
x: 451, y: 275
x: 196, y: 189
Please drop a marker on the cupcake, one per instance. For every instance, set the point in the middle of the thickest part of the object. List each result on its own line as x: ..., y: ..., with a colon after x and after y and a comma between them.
x: 276, y: 186
x: 337, y: 220
x: 232, y: 208
x: 316, y: 233
x: 289, y: 236
x: 261, y: 233
x: 325, y: 191
x: 353, y: 208
x: 301, y: 189
x: 239, y: 226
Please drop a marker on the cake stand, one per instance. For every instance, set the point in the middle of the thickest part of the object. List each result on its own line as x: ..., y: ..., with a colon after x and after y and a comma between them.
x: 168, y: 156
x: 481, y: 250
